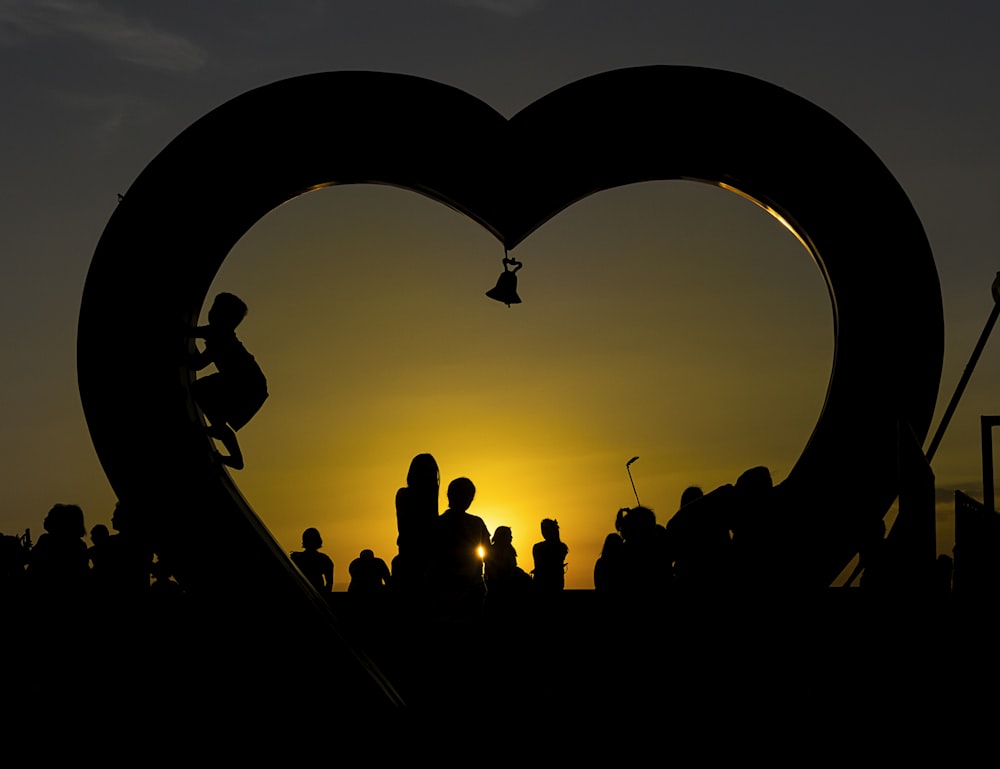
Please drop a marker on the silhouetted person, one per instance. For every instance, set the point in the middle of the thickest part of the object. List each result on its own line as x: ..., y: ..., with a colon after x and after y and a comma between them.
x: 126, y: 556
x: 549, y: 555
x: 755, y: 530
x: 416, y: 516
x: 59, y: 566
x: 609, y: 570
x: 690, y: 494
x: 506, y: 582
x: 99, y: 536
x: 369, y: 575
x: 647, y: 568
x: 315, y: 566
x: 234, y: 394
x: 699, y: 542
x: 460, y: 543
x: 14, y: 555
x: 501, y: 559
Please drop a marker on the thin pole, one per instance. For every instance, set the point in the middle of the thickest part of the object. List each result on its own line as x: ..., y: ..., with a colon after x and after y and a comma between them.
x: 628, y: 467
x: 969, y: 367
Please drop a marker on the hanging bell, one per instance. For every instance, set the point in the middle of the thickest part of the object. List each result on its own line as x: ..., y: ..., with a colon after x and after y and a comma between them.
x: 506, y: 288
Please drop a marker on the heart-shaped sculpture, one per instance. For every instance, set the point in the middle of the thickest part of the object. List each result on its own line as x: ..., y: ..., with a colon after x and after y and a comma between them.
x: 168, y: 237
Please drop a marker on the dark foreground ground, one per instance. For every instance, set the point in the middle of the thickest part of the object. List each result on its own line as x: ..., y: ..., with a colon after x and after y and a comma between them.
x: 573, y: 671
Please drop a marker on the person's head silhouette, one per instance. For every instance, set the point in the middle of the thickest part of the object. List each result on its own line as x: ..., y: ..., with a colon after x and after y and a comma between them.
x: 690, y: 494
x: 65, y: 521
x: 99, y: 533
x: 423, y: 472
x: 461, y: 492
x: 227, y: 311
x: 311, y: 540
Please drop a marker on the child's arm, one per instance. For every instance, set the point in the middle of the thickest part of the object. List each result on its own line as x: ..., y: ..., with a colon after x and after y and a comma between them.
x: 200, y: 359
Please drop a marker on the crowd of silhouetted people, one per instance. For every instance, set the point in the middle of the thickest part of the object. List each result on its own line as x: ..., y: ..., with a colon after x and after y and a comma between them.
x: 709, y: 546
x: 118, y: 570
x: 453, y: 562
x: 447, y: 563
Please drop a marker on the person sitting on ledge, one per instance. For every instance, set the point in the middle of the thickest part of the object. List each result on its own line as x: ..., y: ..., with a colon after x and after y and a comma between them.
x: 315, y: 566
x: 460, y: 544
x: 369, y: 575
x: 550, y: 558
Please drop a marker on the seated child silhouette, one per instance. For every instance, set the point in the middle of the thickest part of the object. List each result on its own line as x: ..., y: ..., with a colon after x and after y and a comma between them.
x: 315, y: 566
x: 549, y: 556
x: 369, y: 575
x: 230, y: 397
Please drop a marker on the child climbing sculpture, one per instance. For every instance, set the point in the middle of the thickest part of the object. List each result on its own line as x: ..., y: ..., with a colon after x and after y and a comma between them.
x: 230, y: 397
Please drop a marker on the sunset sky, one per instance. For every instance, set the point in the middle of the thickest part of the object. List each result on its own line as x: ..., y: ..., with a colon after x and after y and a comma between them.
x: 670, y: 320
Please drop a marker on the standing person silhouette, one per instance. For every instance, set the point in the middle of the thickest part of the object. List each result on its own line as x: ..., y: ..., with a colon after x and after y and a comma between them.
x: 550, y: 558
x: 416, y: 516
x: 315, y: 566
x: 234, y: 394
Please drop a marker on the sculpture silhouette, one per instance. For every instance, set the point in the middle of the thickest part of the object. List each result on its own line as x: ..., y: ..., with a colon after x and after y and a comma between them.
x: 250, y: 155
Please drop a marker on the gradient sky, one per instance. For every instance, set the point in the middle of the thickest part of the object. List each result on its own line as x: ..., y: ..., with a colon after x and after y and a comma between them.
x: 670, y: 320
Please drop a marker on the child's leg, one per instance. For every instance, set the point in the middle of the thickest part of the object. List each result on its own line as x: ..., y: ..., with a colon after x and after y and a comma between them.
x: 226, y: 434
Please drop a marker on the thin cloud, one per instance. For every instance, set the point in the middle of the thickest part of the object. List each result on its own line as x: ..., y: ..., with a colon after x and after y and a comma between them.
x: 503, y: 7
x: 108, y: 116
x: 133, y: 40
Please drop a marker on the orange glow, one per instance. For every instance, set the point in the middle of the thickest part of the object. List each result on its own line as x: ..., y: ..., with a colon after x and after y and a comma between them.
x: 643, y: 331
x: 781, y: 219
